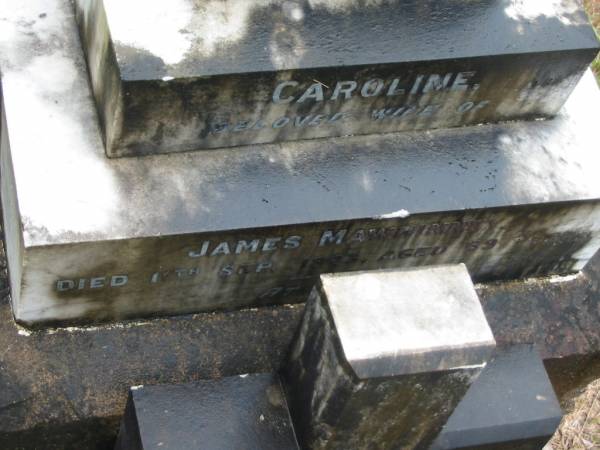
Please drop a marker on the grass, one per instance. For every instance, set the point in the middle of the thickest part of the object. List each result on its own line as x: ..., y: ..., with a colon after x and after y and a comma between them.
x: 580, y: 430
x: 593, y: 9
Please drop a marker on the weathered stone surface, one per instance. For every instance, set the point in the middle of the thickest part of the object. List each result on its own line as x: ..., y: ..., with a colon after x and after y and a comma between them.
x: 241, y: 412
x: 510, y: 200
x: 411, y: 321
x: 190, y: 75
x: 386, y: 378
x: 510, y: 406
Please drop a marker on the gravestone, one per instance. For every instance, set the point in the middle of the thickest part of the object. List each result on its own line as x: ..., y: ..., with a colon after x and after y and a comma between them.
x: 511, y: 406
x: 92, y: 239
x: 382, y: 358
x: 247, y: 411
x: 201, y: 75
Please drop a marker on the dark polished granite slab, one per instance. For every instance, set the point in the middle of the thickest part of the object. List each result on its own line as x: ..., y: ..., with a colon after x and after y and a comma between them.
x: 512, y: 405
x: 247, y: 411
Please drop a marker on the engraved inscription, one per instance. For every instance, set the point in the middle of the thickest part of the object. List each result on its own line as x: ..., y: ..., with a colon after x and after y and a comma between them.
x: 99, y: 282
x: 290, y: 92
x: 402, y: 98
x: 234, y: 269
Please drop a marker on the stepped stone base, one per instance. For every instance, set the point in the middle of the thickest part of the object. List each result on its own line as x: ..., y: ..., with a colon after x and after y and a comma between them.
x: 93, y: 239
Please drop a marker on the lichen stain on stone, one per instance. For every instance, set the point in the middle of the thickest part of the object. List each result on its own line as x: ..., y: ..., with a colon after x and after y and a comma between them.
x: 274, y: 396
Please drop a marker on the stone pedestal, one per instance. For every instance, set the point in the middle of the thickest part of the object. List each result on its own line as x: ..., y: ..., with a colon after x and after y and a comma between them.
x: 247, y: 411
x: 511, y: 406
x: 382, y: 358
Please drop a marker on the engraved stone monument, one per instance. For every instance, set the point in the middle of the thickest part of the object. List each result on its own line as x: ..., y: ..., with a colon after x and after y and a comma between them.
x: 416, y: 144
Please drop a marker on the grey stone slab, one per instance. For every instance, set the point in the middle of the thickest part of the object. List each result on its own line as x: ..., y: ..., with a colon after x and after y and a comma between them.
x: 91, y: 239
x: 397, y: 393
x: 190, y: 75
x: 411, y: 321
x: 247, y: 411
x: 511, y: 405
